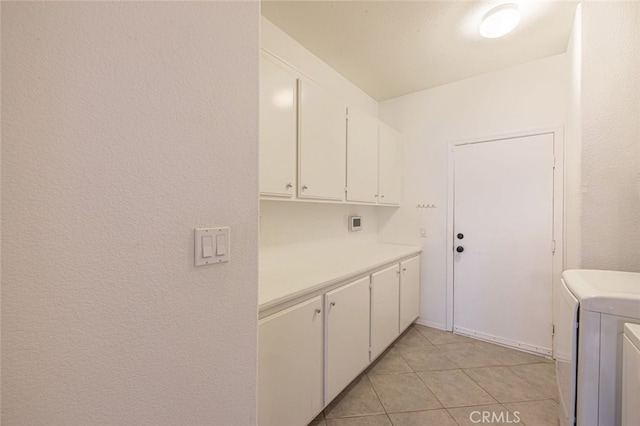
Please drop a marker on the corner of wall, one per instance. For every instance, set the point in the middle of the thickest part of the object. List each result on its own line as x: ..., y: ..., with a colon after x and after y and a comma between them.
x: 610, y: 89
x: 292, y: 53
x: 573, y: 148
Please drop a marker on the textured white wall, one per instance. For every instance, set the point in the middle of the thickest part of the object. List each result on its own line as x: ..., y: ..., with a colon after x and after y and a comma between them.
x: 124, y: 126
x: 527, y: 96
x: 573, y: 148
x: 281, y: 45
x: 288, y: 223
x: 611, y: 135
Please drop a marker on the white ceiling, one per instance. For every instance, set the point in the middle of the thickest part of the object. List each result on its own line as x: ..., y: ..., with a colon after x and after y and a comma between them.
x: 392, y: 48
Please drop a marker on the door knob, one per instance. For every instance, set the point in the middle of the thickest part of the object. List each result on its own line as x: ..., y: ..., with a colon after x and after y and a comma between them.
x: 460, y: 236
x: 459, y: 249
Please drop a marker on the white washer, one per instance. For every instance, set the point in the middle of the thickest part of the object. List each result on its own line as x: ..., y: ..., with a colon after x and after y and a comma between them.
x: 592, y: 308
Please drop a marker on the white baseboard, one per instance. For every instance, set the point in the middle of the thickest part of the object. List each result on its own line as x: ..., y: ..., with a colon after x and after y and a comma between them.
x: 432, y: 324
x: 504, y: 342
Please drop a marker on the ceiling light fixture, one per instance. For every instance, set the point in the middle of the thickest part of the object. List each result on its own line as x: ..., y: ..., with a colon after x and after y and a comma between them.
x: 499, y: 21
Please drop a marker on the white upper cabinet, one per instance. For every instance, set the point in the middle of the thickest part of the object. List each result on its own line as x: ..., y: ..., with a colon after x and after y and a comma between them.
x: 309, y: 149
x: 277, y: 130
x: 322, y: 144
x: 390, y: 166
x: 362, y: 157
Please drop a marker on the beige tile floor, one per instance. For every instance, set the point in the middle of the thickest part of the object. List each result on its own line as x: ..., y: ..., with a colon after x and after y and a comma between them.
x: 431, y: 377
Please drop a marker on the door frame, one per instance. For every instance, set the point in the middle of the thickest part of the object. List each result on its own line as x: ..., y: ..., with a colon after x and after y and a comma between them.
x: 558, y: 209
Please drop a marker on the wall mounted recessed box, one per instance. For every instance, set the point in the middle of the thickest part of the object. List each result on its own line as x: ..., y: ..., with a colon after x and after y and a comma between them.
x: 211, y: 246
x: 355, y: 223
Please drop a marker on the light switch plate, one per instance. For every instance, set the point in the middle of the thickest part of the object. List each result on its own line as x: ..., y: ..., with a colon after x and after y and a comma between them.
x: 215, y: 254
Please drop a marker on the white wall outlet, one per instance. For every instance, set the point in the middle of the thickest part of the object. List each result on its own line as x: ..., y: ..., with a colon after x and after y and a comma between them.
x: 423, y: 232
x: 211, y: 246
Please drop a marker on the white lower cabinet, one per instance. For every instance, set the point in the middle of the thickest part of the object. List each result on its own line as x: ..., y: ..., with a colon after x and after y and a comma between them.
x: 347, y: 335
x: 385, y: 309
x: 310, y: 352
x: 290, y: 365
x: 409, y: 292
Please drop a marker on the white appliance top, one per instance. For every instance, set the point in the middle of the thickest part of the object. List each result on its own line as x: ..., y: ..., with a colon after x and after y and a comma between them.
x: 609, y: 292
x: 632, y: 331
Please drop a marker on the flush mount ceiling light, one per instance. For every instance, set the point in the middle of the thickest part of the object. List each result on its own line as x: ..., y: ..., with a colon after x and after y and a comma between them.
x: 499, y: 21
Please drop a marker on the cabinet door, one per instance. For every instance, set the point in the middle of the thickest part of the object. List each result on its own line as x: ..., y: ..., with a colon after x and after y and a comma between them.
x: 409, y: 292
x: 362, y: 157
x: 385, y: 307
x: 347, y: 335
x: 277, y: 130
x: 290, y: 365
x: 390, y: 166
x: 322, y: 145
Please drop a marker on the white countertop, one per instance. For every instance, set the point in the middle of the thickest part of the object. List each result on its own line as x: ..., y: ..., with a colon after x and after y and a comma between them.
x: 609, y: 292
x: 288, y: 273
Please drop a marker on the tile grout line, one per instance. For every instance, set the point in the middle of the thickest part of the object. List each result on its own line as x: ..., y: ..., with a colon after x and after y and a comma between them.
x: 386, y: 413
x: 480, y: 386
x: 532, y: 384
x: 420, y: 378
x: 452, y: 362
x: 421, y: 337
x: 378, y: 396
x: 507, y: 402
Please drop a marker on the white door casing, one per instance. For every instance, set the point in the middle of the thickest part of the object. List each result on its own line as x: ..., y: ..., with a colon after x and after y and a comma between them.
x: 503, y: 205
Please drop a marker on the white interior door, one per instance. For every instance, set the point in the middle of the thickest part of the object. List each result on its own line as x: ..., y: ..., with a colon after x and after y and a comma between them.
x: 503, y: 222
